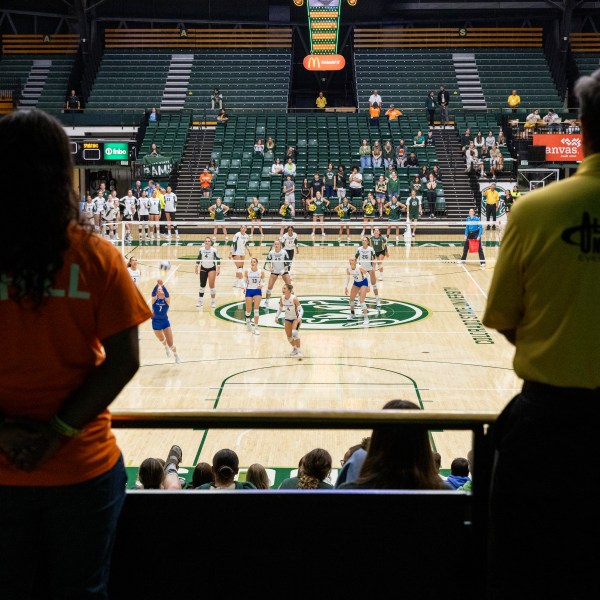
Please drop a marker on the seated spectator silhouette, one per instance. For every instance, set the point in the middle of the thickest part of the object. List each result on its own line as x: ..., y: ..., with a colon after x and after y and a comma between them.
x: 398, y: 458
x: 468, y: 485
x: 352, y: 462
x: 257, y: 475
x: 159, y: 474
x: 202, y: 474
x: 225, y: 466
x: 314, y: 468
x: 216, y: 99
x: 459, y: 473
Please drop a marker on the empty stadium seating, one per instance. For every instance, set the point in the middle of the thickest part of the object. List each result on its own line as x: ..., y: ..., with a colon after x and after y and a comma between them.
x: 169, y: 134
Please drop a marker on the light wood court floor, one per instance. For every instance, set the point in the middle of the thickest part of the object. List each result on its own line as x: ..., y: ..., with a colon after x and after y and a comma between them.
x: 428, y: 346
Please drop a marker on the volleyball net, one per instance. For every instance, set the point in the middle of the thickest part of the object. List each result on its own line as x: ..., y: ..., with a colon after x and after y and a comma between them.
x: 321, y: 243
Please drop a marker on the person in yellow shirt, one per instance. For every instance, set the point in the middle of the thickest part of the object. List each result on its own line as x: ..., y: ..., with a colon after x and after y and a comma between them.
x: 514, y: 100
x: 393, y: 113
x: 491, y: 197
x: 321, y: 101
x: 543, y: 298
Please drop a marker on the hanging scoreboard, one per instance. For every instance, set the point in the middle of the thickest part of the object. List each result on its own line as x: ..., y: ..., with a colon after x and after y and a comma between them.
x: 95, y: 152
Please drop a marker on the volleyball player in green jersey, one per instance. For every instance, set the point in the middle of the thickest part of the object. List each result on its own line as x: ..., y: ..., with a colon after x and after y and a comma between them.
x: 344, y: 209
x: 319, y: 212
x: 368, y: 212
x: 414, y: 211
x: 394, y: 209
x: 379, y: 244
x: 218, y: 211
x: 393, y: 186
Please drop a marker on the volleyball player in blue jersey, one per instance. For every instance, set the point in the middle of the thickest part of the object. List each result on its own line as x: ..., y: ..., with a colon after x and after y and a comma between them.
x: 160, y: 319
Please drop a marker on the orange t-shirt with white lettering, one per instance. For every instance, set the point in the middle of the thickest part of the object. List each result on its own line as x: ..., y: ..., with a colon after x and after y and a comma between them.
x: 52, y: 350
x: 205, y: 180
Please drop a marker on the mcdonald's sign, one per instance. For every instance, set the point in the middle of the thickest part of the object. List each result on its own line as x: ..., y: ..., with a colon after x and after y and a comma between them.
x: 324, y: 62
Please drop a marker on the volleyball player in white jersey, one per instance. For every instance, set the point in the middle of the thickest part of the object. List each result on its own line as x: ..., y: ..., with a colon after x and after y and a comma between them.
x: 289, y: 241
x: 367, y: 258
x: 154, y: 215
x: 239, y: 246
x: 359, y: 277
x: 143, y: 214
x: 87, y: 211
x: 278, y: 262
x: 208, y: 265
x: 170, y: 210
x: 134, y: 270
x: 292, y: 311
x: 110, y: 217
x: 99, y: 204
x: 130, y: 202
x: 254, y: 282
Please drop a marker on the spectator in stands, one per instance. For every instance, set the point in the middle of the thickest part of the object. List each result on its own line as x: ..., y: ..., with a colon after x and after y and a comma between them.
x: 137, y: 189
x: 430, y: 106
x: 479, y: 143
x: 257, y: 476
x: 216, y: 99
x: 431, y: 191
x: 289, y: 168
x: 259, y: 148
x: 556, y: 355
x: 513, y: 101
x: 321, y: 101
x: 474, y: 163
x: 314, y: 468
x: 352, y: 462
x: 340, y: 183
x: 222, y: 117
x: 496, y: 161
x: 435, y: 171
x: 289, y: 194
x: 531, y: 120
x: 213, y: 168
x: 501, y: 140
x: 356, y: 183
x: 419, y: 140
x: 424, y: 173
x: 466, y: 141
x: 416, y: 184
x: 365, y: 155
x: 388, y: 153
x: 392, y: 113
x: 277, y: 167
x: 316, y: 185
x: 430, y: 140
x: 71, y: 313
x: 375, y: 98
x: 292, y: 153
x: 202, y: 474
x: 393, y: 185
x: 490, y: 140
x: 206, y: 182
x: 153, y: 115
x: 443, y: 100
x: 459, y: 473
x: 329, y: 181
x: 401, y: 153
x: 154, y: 150
x: 398, y: 458
x: 491, y: 198
x: 412, y: 160
x: 305, y: 193
x: 468, y: 485
x: 225, y: 466
x: 552, y: 120
x: 377, y: 155
x: 374, y: 112
x: 158, y: 474
x: 73, y: 104
x: 437, y: 458
x: 270, y: 146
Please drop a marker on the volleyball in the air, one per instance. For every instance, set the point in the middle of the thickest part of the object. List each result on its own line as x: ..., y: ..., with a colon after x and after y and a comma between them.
x: 165, y: 265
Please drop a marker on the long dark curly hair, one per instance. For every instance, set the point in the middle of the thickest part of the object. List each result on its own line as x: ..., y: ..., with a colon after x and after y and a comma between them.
x: 34, y: 151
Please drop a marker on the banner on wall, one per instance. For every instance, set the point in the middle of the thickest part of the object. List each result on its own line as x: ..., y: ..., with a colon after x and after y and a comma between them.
x: 157, y: 166
x: 560, y: 147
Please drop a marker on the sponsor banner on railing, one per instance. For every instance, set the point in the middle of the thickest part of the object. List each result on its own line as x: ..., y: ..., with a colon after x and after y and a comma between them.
x: 157, y: 166
x: 560, y: 147
x: 324, y: 62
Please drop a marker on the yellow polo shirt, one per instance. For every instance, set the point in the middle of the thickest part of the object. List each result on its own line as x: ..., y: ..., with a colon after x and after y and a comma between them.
x: 491, y: 196
x: 321, y: 102
x: 514, y: 100
x: 546, y: 283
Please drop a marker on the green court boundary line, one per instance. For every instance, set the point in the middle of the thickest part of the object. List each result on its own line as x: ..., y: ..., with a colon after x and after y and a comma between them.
x: 224, y: 383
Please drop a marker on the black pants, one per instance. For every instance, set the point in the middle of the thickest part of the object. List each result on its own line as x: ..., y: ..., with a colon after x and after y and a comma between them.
x: 541, y: 530
x: 490, y: 211
x: 431, y: 198
x: 472, y: 235
x: 431, y: 115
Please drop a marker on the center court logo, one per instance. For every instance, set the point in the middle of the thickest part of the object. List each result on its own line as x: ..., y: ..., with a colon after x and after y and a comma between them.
x: 331, y: 312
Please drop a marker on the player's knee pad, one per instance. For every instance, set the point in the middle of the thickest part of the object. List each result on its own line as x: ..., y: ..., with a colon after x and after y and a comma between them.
x: 256, y: 312
x: 374, y: 287
x: 290, y: 339
x: 363, y: 305
x: 248, y: 315
x: 295, y: 334
x: 213, y: 291
x: 201, y: 290
x: 240, y: 270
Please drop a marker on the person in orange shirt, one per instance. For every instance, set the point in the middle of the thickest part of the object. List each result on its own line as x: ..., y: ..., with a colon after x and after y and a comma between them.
x: 71, y: 313
x: 374, y: 112
x: 206, y: 182
x: 393, y: 113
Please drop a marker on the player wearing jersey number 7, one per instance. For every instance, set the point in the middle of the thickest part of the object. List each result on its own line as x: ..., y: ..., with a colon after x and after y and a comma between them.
x: 292, y: 312
x: 161, y: 325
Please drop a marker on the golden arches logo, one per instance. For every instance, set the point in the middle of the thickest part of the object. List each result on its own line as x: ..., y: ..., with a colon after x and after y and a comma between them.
x: 324, y: 62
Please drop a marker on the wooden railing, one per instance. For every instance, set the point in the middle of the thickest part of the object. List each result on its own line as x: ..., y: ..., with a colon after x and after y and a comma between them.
x: 585, y: 42
x: 435, y: 37
x: 265, y: 37
x: 60, y: 43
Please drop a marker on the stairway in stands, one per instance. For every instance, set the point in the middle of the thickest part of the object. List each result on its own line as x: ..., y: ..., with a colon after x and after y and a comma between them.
x: 35, y: 83
x: 185, y: 182
x: 458, y: 186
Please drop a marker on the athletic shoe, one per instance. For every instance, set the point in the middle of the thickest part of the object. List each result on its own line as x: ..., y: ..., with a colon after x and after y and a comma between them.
x: 482, y: 266
x: 200, y: 303
x: 350, y: 316
x: 177, y: 236
x: 378, y: 304
x: 294, y: 351
x: 366, y: 321
x: 168, y: 236
x: 493, y: 227
x: 339, y: 239
x: 174, y: 457
x: 249, y: 326
x: 397, y: 239
x: 348, y: 240
x: 322, y: 235
x: 152, y: 235
x: 256, y: 331
x: 167, y: 350
x: 213, y: 303
x: 177, y: 358
x: 299, y: 355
